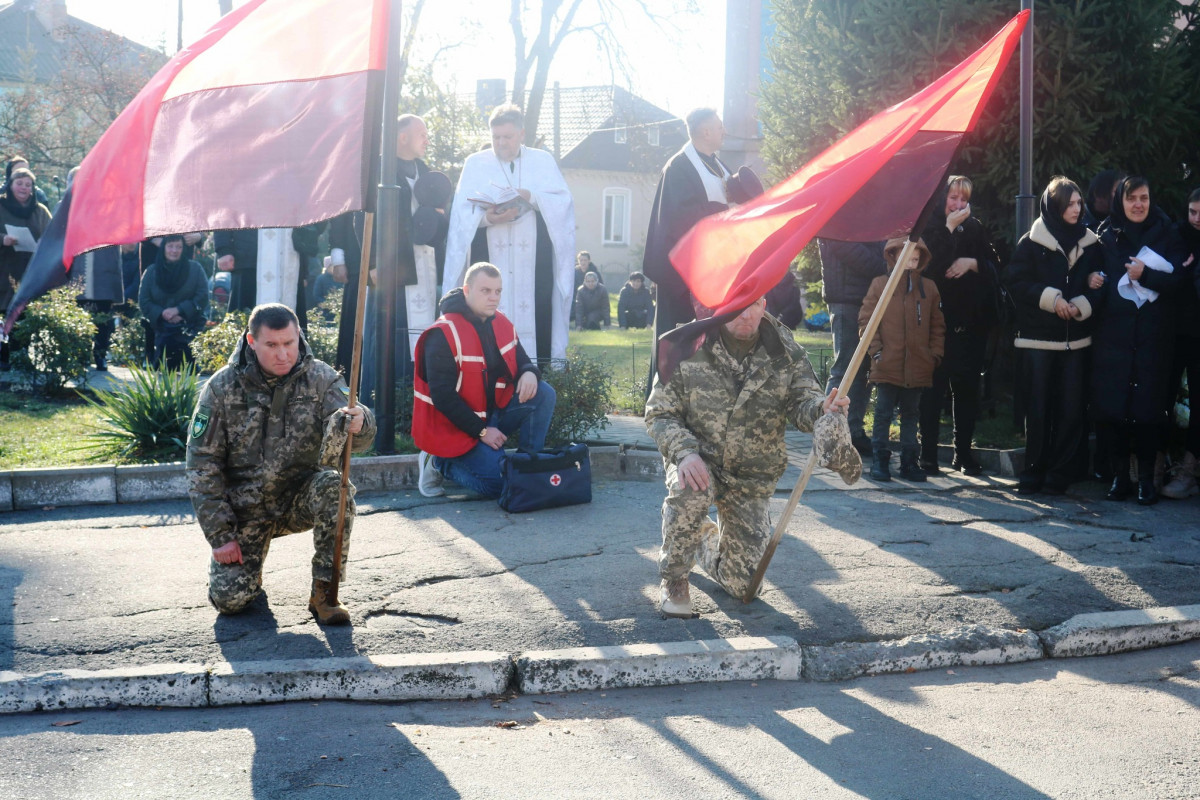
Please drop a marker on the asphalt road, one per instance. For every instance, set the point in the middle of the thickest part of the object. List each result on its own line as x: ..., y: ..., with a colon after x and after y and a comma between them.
x: 1113, y: 727
x: 126, y: 585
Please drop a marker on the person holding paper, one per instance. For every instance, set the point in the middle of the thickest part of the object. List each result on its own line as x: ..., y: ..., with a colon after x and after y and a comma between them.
x: 513, y: 209
x: 1135, y: 333
x: 23, y: 219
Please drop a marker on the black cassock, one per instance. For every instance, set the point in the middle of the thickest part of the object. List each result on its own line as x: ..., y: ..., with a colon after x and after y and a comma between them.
x: 679, y: 203
x: 346, y: 233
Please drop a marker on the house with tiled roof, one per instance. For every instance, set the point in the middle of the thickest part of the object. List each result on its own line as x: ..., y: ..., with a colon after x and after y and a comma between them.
x: 611, y: 146
x: 37, y: 37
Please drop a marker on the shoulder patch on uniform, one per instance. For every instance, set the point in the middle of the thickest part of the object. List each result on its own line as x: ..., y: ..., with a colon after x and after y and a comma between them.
x: 345, y: 390
x: 200, y: 421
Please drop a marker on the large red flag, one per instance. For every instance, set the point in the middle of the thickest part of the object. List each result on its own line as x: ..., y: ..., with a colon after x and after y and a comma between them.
x: 270, y: 120
x: 870, y: 185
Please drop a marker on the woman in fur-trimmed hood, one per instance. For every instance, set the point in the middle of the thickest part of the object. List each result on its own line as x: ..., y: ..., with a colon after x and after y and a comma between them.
x: 1048, y: 280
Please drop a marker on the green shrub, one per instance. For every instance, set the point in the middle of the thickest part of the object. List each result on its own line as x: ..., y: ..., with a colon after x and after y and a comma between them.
x: 128, y: 345
x: 145, y: 420
x: 582, y: 385
x: 52, y: 340
x: 323, y: 324
x: 214, y: 345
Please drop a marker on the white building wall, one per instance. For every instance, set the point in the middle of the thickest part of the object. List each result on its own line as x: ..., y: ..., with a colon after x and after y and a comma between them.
x: 587, y: 189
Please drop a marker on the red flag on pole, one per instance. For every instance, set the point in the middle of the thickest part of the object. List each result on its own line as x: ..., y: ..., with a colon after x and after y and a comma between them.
x: 270, y: 120
x: 870, y: 185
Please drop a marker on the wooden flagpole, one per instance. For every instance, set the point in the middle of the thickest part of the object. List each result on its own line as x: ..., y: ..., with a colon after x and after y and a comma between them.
x: 382, y: 121
x: 355, y: 369
x: 859, y: 353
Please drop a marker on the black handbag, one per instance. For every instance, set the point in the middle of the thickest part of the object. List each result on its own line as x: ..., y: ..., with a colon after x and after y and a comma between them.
x: 551, y: 478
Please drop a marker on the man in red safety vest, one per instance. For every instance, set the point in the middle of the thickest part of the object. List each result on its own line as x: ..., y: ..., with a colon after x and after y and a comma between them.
x: 474, y: 386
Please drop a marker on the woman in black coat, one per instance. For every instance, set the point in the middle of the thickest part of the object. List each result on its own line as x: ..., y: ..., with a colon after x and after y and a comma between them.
x: 1048, y: 280
x: 174, y: 297
x: 963, y: 267
x: 1135, y: 331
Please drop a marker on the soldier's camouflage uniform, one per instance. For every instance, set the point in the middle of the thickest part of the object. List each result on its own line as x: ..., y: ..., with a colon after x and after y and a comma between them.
x: 260, y: 464
x: 733, y: 415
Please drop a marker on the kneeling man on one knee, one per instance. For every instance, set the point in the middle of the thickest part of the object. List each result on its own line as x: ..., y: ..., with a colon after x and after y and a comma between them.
x: 719, y: 422
x: 262, y: 456
x: 474, y: 387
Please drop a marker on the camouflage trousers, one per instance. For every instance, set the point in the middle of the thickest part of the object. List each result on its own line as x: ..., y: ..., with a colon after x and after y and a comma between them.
x: 729, y: 549
x: 232, y: 587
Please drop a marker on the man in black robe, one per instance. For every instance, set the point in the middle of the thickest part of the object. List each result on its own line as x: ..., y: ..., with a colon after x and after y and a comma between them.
x: 345, y: 239
x: 692, y: 187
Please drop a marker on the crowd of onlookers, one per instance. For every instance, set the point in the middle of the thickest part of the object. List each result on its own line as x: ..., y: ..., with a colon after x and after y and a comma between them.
x: 1104, y: 304
x: 1100, y: 299
x: 171, y: 286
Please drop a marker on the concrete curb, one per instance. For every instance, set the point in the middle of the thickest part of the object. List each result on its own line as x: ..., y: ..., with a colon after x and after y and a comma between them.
x: 585, y: 668
x: 105, y: 484
x: 970, y: 645
x: 413, y: 676
x: 1121, y: 631
x: 179, y: 685
x: 466, y: 675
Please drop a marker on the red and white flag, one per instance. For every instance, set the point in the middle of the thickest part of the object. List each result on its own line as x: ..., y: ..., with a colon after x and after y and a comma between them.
x: 270, y: 120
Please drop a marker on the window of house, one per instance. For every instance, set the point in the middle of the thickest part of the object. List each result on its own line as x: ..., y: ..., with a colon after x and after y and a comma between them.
x: 620, y: 134
x: 652, y: 135
x: 616, y: 216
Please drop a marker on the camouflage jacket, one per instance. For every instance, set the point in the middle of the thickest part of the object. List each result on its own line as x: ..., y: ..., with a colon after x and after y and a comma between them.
x: 734, y: 416
x: 250, y: 447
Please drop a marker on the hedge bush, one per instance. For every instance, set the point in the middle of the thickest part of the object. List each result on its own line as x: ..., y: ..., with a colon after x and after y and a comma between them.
x: 582, y: 384
x: 52, y: 340
x: 213, y: 346
x: 128, y: 347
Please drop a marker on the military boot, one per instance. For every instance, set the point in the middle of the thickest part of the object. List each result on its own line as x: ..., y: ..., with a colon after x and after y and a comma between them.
x: 880, y: 469
x: 327, y: 613
x: 675, y: 598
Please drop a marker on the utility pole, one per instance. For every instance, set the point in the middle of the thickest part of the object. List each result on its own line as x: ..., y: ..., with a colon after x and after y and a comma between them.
x: 391, y: 239
x: 1026, y: 202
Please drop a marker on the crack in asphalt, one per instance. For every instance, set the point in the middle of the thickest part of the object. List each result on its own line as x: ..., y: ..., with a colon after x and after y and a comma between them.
x: 443, y: 578
x: 393, y: 612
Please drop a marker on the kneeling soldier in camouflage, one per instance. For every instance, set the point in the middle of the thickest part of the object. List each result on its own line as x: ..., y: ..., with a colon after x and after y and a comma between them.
x: 262, y: 453
x: 719, y: 422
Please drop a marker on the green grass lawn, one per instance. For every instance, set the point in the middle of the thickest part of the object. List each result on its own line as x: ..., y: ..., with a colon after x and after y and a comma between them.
x: 50, y: 432
x: 38, y: 432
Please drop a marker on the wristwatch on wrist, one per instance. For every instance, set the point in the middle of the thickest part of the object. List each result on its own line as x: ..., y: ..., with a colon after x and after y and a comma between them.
x: 483, y: 432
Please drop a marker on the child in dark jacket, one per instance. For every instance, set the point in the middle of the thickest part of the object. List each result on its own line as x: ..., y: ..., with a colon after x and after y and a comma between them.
x: 907, y: 346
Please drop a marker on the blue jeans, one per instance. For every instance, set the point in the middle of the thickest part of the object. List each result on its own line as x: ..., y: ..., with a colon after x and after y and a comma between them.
x: 844, y: 322
x: 887, y: 395
x: 479, y: 468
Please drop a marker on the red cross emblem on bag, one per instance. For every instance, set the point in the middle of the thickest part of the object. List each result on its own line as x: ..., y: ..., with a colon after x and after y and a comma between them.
x: 555, y: 479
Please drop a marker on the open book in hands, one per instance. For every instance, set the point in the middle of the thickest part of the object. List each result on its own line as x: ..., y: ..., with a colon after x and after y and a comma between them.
x: 501, y: 199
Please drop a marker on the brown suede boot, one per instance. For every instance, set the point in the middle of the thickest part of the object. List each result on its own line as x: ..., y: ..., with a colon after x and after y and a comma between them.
x: 327, y: 613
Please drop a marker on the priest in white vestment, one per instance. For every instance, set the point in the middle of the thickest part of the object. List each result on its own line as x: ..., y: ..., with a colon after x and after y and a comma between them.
x: 512, y: 209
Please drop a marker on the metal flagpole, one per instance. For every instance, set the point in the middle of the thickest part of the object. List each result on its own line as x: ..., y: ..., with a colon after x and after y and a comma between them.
x: 859, y: 353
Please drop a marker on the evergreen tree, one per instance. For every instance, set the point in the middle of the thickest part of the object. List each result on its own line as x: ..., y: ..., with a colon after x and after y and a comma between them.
x: 1117, y: 84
